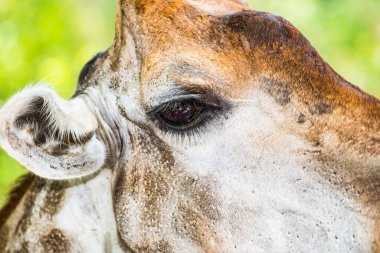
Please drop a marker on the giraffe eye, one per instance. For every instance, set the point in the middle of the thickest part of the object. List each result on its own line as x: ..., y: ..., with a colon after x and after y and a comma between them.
x: 180, y: 113
x: 183, y: 114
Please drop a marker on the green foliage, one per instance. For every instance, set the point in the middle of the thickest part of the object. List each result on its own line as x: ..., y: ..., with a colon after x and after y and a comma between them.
x: 51, y: 40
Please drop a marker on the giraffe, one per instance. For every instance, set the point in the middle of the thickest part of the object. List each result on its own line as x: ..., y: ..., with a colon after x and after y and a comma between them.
x: 205, y: 127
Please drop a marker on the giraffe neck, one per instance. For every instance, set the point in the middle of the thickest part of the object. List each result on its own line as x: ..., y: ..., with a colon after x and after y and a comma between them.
x: 15, y: 196
x: 60, y: 217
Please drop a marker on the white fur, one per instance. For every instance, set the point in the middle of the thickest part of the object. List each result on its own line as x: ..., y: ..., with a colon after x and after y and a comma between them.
x: 87, y: 216
x: 70, y: 117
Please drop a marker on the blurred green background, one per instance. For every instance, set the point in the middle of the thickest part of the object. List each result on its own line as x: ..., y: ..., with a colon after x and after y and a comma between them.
x: 50, y: 41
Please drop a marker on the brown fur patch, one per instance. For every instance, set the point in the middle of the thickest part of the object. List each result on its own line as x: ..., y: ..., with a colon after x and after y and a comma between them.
x: 26, y: 220
x: 160, y: 247
x: 320, y: 108
x: 201, y: 196
x: 24, y: 248
x: 155, y: 178
x: 301, y: 118
x: 279, y: 90
x: 197, y: 213
x: 54, y: 198
x: 149, y: 181
x: 55, y: 241
x: 191, y: 223
x: 4, y: 233
x: 15, y: 197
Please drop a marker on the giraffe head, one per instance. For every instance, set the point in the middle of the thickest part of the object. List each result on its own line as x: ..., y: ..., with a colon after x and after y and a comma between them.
x: 224, y: 129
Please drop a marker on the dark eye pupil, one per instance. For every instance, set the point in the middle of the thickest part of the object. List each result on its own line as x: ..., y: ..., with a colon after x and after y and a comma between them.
x: 180, y: 113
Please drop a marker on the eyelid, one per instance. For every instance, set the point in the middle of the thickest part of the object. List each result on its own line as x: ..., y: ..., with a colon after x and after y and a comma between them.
x: 173, y: 99
x: 181, y: 90
x: 202, y: 99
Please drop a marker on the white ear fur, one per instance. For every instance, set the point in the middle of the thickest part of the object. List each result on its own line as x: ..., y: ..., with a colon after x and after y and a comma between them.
x: 53, y: 138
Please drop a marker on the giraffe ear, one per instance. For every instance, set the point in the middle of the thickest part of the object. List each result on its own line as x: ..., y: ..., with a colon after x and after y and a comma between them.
x: 53, y: 138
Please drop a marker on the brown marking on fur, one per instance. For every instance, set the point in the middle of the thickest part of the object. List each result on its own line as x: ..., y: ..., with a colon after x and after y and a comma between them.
x: 201, y: 196
x: 149, y: 182
x: 277, y: 49
x: 25, y: 194
x: 4, y: 233
x: 301, y: 118
x: 284, y: 53
x: 320, y: 108
x: 191, y: 223
x: 55, y: 241
x: 154, y: 179
x: 159, y: 247
x: 24, y: 248
x: 55, y: 195
x: 29, y: 203
x: 279, y: 90
x: 164, y: 247
x: 349, y: 174
x: 14, y: 197
x: 197, y: 213
x: 27, y: 189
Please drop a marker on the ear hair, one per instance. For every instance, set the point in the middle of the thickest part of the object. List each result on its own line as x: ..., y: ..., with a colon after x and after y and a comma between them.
x: 55, y: 139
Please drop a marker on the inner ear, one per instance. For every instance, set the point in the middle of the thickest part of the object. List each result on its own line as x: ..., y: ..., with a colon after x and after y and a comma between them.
x: 55, y: 139
x: 41, y: 121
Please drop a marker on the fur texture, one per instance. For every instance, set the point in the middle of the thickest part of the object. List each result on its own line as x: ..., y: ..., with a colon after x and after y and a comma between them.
x: 288, y: 162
